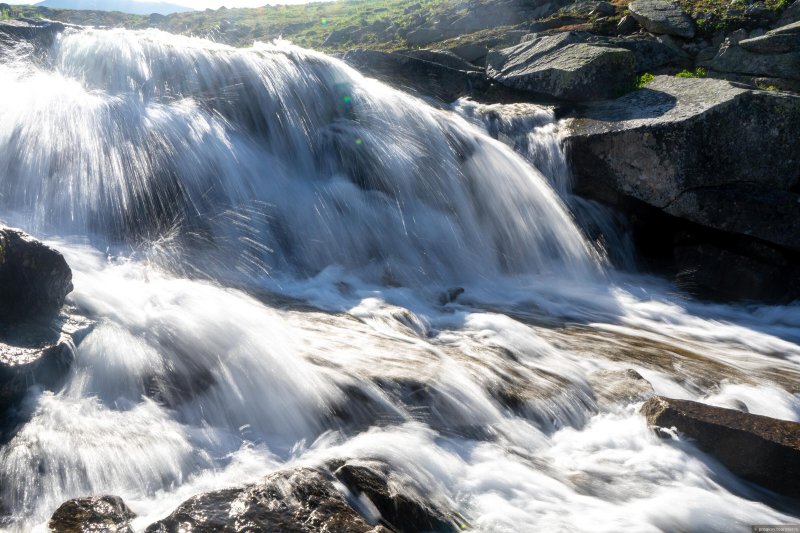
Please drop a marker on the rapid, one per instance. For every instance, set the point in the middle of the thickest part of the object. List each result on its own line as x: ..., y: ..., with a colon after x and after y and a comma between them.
x: 287, y: 262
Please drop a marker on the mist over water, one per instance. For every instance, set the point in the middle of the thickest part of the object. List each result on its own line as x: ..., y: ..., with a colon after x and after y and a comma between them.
x: 263, y: 238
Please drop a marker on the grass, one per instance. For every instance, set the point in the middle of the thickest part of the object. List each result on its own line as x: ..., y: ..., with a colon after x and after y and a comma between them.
x: 644, y: 79
x: 699, y: 72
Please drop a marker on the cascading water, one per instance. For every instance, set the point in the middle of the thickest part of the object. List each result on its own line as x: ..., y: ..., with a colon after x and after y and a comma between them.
x: 262, y: 237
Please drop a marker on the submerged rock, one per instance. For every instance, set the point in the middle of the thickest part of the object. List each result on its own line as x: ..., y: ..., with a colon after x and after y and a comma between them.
x: 34, y: 278
x: 619, y: 387
x: 106, y: 514
x: 658, y: 16
x: 760, y: 449
x: 564, y: 66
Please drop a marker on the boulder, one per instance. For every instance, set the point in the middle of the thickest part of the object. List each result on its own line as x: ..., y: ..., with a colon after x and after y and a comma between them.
x: 107, y: 514
x: 563, y: 67
x: 649, y: 52
x: 688, y: 155
x: 659, y: 16
x: 760, y: 449
x: 684, y: 134
x: 34, y: 278
x: 734, y: 58
x: 360, y: 496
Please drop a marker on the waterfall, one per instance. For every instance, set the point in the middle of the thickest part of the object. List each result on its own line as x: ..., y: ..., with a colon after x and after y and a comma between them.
x: 262, y: 238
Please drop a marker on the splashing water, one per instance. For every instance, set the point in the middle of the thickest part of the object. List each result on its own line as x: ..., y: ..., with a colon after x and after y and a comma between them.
x: 262, y: 237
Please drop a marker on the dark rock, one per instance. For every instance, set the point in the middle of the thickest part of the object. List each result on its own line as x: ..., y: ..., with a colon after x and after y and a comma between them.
x: 36, y: 353
x: 769, y: 215
x: 652, y: 146
x: 737, y: 35
x: 790, y: 14
x: 308, y: 500
x: 301, y: 500
x: 659, y: 16
x: 425, y: 77
x: 405, y: 511
x: 34, y: 278
x: 760, y: 449
x: 721, y: 270
x: 39, y: 31
x: 107, y: 514
x: 772, y: 44
x: 627, y: 25
x: 564, y: 67
x: 794, y: 27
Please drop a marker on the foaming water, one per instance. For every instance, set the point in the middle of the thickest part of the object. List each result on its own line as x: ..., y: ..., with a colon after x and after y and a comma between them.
x: 265, y: 241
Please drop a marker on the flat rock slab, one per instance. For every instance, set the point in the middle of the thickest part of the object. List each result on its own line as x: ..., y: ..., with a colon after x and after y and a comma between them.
x: 657, y: 16
x: 760, y: 449
x: 565, y: 67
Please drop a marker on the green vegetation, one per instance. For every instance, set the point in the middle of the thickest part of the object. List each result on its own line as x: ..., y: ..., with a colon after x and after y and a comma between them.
x: 699, y: 72
x: 644, y: 79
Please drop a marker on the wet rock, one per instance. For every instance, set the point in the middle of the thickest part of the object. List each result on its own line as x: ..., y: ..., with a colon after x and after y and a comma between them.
x: 34, y: 278
x: 425, y: 77
x: 301, y: 500
x: 658, y: 16
x: 107, y: 514
x: 564, y: 67
x: 406, y: 511
x: 619, y: 387
x: 41, y: 32
x: 760, y: 449
x: 36, y: 353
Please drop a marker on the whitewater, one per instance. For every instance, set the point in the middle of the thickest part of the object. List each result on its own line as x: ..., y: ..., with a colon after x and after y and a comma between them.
x: 286, y: 262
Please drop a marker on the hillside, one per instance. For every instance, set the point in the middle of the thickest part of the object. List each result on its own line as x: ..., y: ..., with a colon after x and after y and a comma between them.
x: 124, y: 6
x: 393, y: 24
